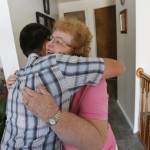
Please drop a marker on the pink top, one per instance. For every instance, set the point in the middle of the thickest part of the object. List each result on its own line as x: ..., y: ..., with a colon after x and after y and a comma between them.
x: 91, y: 102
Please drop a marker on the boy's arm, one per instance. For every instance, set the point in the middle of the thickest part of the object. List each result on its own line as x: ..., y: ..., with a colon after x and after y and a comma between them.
x: 85, y: 66
x: 113, y: 68
x: 79, y: 71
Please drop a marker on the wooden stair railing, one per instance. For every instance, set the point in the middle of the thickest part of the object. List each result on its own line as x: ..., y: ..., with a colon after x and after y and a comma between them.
x: 144, y: 130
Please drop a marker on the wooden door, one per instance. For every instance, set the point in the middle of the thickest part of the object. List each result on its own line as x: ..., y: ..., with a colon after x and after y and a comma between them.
x: 105, y: 20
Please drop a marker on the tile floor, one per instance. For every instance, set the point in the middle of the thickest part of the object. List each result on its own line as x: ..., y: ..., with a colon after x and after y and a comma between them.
x: 125, y: 138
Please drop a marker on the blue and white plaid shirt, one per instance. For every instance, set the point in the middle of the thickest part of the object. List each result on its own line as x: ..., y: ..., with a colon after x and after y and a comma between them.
x: 62, y: 75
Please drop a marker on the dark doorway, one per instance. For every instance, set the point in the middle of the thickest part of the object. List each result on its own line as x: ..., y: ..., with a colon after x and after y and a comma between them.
x: 105, y: 20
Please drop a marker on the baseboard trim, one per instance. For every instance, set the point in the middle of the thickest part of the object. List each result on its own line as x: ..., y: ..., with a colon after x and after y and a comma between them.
x: 127, y: 118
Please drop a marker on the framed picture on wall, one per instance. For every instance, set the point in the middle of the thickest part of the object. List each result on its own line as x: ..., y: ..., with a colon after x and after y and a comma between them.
x: 123, y: 21
x: 50, y: 23
x: 46, y: 6
x: 40, y: 18
x: 45, y: 20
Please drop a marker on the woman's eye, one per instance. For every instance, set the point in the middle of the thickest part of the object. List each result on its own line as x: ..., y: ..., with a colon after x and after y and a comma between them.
x: 58, y: 42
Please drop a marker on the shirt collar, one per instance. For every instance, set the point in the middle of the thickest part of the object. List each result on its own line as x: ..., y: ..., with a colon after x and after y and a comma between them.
x: 32, y: 58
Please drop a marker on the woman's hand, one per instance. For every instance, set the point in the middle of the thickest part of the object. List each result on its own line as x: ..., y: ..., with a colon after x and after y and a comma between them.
x: 41, y: 104
x: 10, y: 81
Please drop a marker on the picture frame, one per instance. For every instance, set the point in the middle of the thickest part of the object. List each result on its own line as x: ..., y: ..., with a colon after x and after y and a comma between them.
x: 45, y: 20
x: 123, y: 21
x: 46, y: 5
x: 50, y: 22
x: 122, y: 2
x: 40, y: 18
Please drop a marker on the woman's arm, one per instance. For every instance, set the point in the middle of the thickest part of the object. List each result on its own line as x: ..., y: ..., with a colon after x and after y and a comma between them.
x: 91, y: 103
x: 71, y: 129
x: 113, y: 68
x: 78, y: 132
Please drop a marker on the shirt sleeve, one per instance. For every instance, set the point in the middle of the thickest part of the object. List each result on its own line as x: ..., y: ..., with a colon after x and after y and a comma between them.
x: 79, y: 71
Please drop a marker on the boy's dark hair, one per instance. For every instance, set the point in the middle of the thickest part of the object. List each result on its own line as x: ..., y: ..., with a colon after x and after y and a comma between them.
x: 32, y: 38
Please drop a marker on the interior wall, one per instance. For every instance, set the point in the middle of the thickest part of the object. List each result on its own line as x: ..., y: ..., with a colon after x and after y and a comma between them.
x: 7, y: 47
x: 133, y: 49
x: 0, y: 63
x: 143, y: 35
x: 142, y: 45
x: 126, y: 50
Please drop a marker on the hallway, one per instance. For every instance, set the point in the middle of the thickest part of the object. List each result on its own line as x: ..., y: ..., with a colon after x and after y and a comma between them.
x: 126, y: 140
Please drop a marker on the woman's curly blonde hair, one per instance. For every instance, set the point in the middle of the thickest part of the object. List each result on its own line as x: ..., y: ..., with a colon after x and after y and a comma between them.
x: 81, y: 34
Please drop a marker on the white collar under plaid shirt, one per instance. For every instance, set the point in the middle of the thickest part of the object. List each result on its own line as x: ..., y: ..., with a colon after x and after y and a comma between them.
x: 62, y: 75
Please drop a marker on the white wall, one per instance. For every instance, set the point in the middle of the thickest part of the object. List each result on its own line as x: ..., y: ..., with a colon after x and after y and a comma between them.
x: 142, y: 42
x: 134, y: 50
x: 7, y: 46
x: 143, y: 35
x: 126, y: 51
x: 0, y: 63
x: 138, y: 50
x: 88, y: 6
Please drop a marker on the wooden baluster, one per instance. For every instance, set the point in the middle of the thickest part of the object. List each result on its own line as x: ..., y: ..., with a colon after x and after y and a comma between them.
x: 147, y: 91
x: 148, y: 145
x: 148, y: 117
x: 142, y: 107
x: 146, y: 112
x: 142, y: 101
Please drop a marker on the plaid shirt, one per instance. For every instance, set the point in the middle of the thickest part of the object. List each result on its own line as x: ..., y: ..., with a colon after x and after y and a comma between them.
x: 62, y: 75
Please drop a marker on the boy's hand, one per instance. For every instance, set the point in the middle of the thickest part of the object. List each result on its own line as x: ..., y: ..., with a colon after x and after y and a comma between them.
x: 10, y: 81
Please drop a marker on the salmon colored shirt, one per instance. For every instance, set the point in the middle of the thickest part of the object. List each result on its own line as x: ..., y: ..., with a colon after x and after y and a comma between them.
x: 91, y: 102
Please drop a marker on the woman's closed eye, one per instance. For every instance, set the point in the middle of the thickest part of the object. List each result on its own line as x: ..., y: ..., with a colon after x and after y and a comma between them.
x: 58, y: 41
